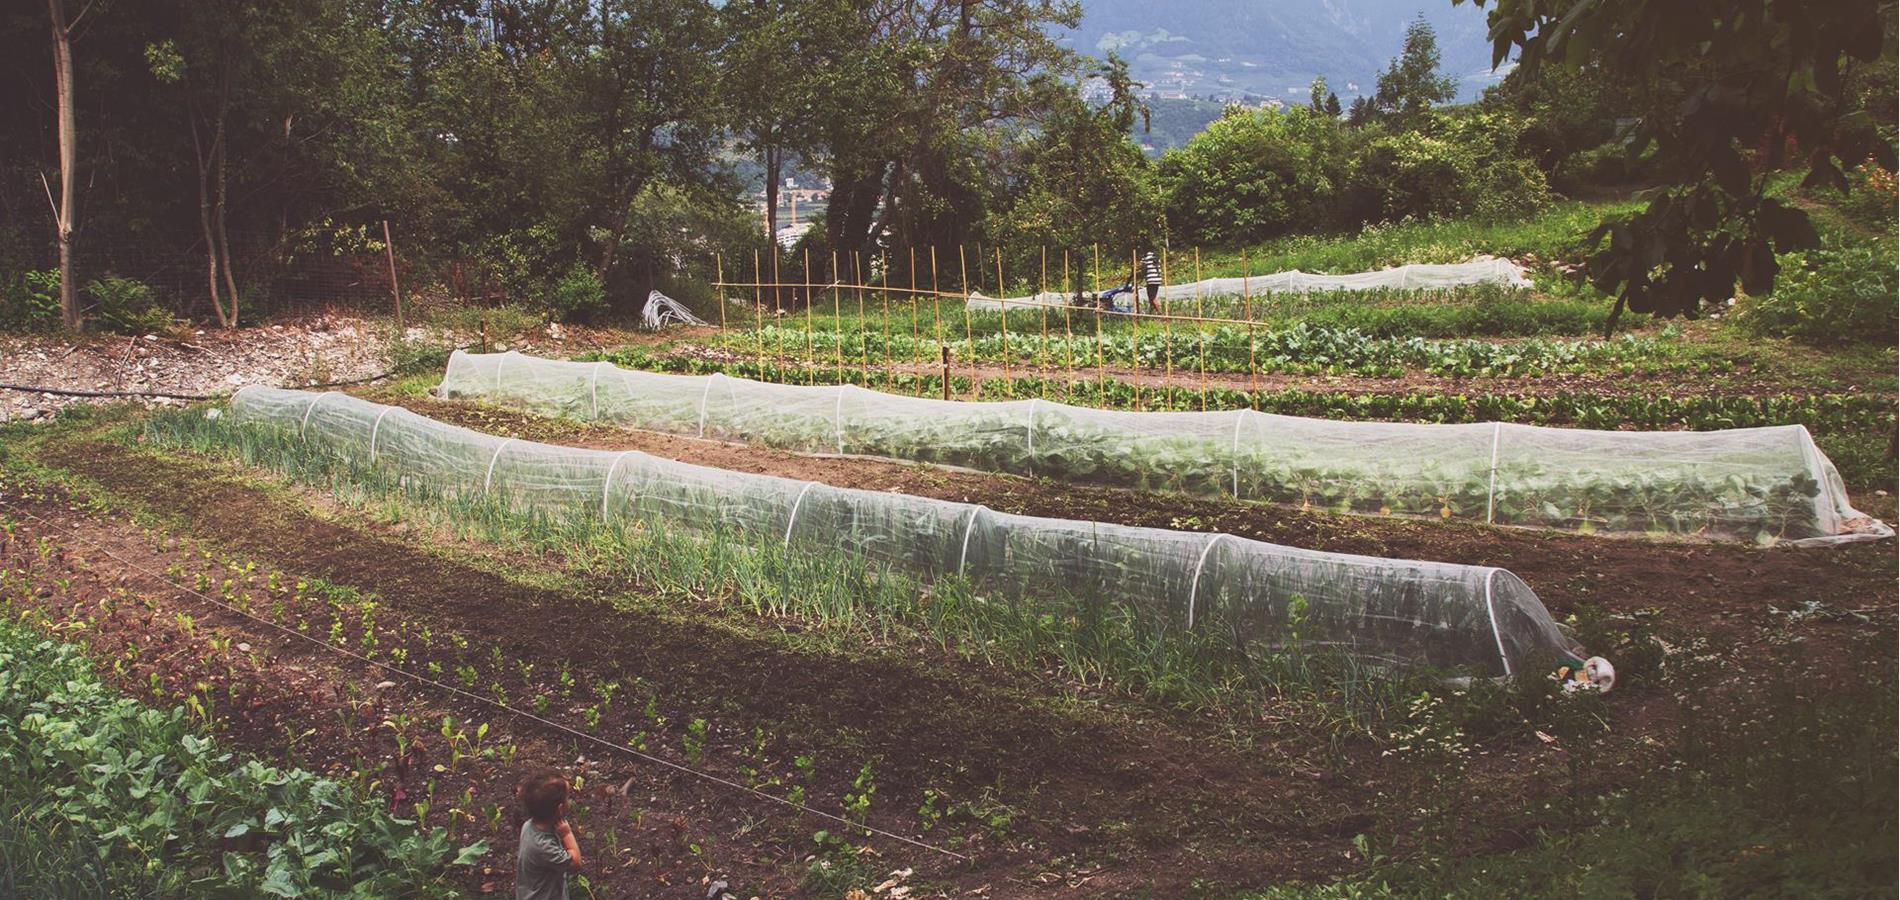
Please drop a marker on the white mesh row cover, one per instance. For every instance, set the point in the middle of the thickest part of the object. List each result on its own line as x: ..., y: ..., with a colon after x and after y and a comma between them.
x: 1754, y: 484
x: 1417, y: 276
x: 662, y: 310
x: 1482, y: 619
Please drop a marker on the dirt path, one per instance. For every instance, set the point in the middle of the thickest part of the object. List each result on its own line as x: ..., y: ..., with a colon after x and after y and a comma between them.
x: 291, y: 353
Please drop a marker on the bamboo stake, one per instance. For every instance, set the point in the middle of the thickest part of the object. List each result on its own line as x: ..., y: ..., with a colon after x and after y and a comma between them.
x: 838, y: 314
x: 719, y: 282
x: 969, y: 330
x: 810, y: 363
x: 1200, y: 311
x: 857, y: 275
x: 758, y: 318
x: 1101, y: 322
x: 1246, y: 299
x: 1167, y: 333
x: 916, y: 340
x: 1068, y: 329
x: 389, y: 249
x: 1042, y: 318
x: 1009, y: 386
x: 936, y: 319
x: 1134, y: 327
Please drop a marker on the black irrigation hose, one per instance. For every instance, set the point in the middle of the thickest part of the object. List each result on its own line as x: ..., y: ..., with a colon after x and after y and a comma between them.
x: 70, y: 392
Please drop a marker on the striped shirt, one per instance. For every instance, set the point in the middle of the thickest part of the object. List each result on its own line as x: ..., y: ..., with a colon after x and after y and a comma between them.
x: 1150, y: 271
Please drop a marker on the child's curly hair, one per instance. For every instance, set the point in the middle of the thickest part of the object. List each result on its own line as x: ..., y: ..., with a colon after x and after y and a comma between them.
x: 542, y: 793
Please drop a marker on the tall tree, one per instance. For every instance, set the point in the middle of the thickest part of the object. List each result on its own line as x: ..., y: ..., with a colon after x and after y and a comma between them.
x: 1412, y: 85
x: 904, y: 115
x: 1764, y: 84
x: 64, y: 216
x: 1084, y: 180
x: 1332, y: 104
x: 1318, y: 93
x: 1360, y: 113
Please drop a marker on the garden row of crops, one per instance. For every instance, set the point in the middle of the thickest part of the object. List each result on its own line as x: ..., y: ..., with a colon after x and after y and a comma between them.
x: 1299, y: 350
x: 1416, y: 276
x: 1218, y: 586
x: 1656, y: 411
x: 1758, y: 484
x: 86, y: 770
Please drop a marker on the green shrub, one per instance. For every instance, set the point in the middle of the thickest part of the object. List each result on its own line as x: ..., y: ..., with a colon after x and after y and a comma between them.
x: 576, y: 295
x: 108, y: 797
x: 1463, y: 165
x: 1253, y: 174
x: 1837, y: 294
x: 125, y: 306
x: 30, y: 301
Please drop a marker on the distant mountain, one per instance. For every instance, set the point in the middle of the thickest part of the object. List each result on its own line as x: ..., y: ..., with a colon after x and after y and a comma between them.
x: 1255, y: 49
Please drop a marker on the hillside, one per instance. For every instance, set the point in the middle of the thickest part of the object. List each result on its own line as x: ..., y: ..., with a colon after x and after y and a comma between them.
x: 1253, y: 49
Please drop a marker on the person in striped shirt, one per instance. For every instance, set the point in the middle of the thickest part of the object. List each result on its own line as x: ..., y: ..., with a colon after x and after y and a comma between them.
x: 1151, y: 277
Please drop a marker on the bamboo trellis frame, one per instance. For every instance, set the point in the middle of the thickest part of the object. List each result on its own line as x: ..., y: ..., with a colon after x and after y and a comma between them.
x: 914, y: 369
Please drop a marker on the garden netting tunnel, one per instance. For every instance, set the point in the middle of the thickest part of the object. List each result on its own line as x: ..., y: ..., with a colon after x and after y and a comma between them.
x: 1416, y: 276
x: 1225, y: 588
x: 1756, y: 484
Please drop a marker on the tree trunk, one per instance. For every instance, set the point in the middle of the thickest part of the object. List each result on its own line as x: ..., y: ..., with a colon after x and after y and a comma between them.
x: 774, y: 164
x: 203, y: 158
x: 63, y: 217
x: 224, y: 239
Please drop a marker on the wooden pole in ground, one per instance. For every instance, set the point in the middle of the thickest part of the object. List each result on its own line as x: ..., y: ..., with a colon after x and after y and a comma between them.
x: 719, y: 284
x: 810, y: 362
x: 758, y: 314
x: 1042, y: 318
x: 1167, y: 336
x: 1101, y: 321
x: 1009, y: 386
x: 389, y: 250
x: 1068, y: 329
x: 1200, y: 328
x: 1246, y: 298
x: 916, y: 340
x: 838, y: 312
x: 857, y: 275
x: 969, y: 330
x: 1134, y: 326
x: 936, y: 319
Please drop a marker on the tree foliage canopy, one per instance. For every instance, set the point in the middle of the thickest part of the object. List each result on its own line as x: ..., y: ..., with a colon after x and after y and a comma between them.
x: 1758, y: 84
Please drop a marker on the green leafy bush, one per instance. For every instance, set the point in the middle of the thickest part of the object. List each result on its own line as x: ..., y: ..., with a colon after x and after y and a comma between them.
x: 1837, y: 294
x: 1463, y: 165
x: 576, y: 295
x: 106, y: 796
x: 1253, y: 175
x: 30, y: 300
x: 125, y: 306
x: 1259, y: 174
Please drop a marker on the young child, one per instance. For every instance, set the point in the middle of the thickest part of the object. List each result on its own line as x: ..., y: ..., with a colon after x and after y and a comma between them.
x: 548, y: 851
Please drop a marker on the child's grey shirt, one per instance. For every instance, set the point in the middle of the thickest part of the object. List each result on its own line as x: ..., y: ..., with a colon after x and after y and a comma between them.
x: 540, y: 865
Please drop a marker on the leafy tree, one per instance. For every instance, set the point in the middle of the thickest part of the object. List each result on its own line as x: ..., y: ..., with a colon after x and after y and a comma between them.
x: 1361, y: 112
x: 1764, y: 84
x: 1412, y: 85
x: 1085, y: 182
x: 1318, y: 93
x: 907, y: 114
x: 1254, y: 174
